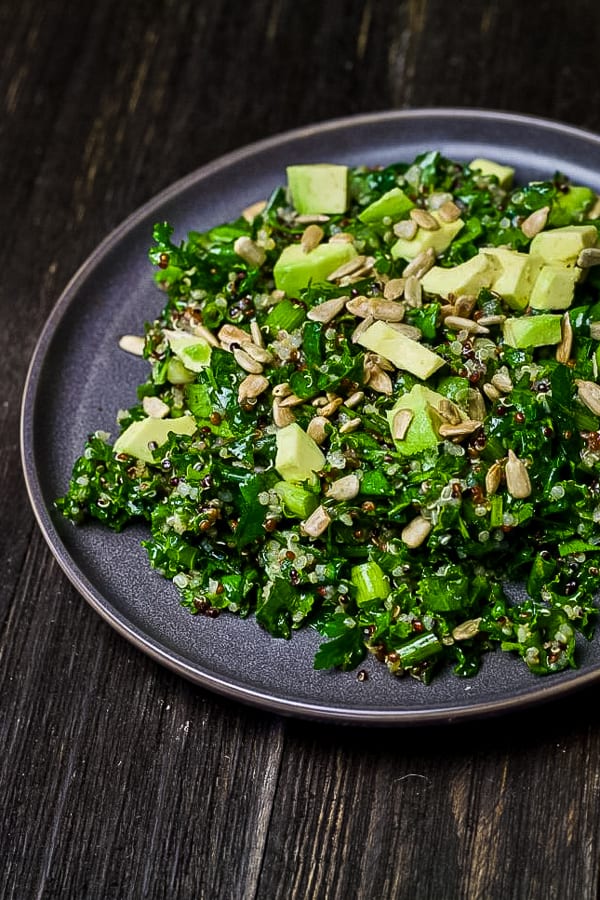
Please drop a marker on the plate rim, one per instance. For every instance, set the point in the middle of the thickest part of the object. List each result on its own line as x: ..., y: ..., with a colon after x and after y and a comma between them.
x: 172, y: 659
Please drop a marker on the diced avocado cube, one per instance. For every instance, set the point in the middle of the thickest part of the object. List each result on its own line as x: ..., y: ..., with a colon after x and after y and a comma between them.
x: 466, y: 278
x: 423, y: 431
x: 295, y: 269
x: 193, y: 351
x: 402, y: 351
x: 554, y: 287
x: 571, y: 205
x: 318, y: 188
x: 563, y: 245
x: 504, y: 174
x: 137, y: 437
x: 439, y: 239
x: 393, y: 205
x: 532, y: 331
x: 298, y: 455
x: 515, y: 275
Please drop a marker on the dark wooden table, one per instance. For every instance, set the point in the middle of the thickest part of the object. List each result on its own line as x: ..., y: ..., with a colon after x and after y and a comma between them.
x: 117, y: 778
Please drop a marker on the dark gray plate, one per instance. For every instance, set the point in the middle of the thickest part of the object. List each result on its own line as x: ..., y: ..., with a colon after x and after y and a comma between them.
x: 79, y: 379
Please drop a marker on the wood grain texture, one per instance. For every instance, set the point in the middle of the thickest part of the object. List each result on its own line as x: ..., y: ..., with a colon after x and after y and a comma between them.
x: 118, y: 779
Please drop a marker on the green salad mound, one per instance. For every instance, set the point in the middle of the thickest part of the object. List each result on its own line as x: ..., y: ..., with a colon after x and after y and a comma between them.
x: 373, y: 409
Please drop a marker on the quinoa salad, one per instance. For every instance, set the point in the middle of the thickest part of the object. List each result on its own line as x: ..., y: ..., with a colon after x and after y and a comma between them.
x: 373, y: 409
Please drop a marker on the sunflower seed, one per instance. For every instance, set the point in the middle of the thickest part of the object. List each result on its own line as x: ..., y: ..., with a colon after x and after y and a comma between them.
x: 491, y: 320
x: 281, y: 390
x: 309, y: 218
x: 393, y: 289
x: 327, y: 311
x: 342, y: 237
x: 466, y: 630
x: 330, y: 408
x: 231, y: 334
x: 491, y: 392
x: 424, y: 219
x: 254, y: 210
x: 464, y: 305
x: 406, y: 229
x: 133, y: 344
x: 563, y: 351
x: 461, y: 430
x: 502, y: 382
x: 318, y: 522
x: 589, y: 394
x: 595, y: 330
x: 413, y: 292
x: 493, y: 478
x: 246, y: 362
x: 594, y: 212
x: 401, y: 423
x: 385, y: 310
x: 459, y: 323
x: 355, y: 399
x: 535, y: 222
x: 155, y: 407
x: 416, y: 532
x: 348, y: 268
x: 345, y: 488
x: 476, y: 405
x: 450, y: 411
x: 517, y: 478
x: 257, y: 353
x: 291, y: 400
x: 449, y: 211
x: 282, y: 417
x: 379, y: 381
x: 438, y: 199
x: 316, y: 429
x: 589, y: 257
x: 350, y: 426
x: 251, y: 387
x: 311, y: 237
x: 256, y: 333
x: 421, y: 264
x: 361, y: 327
x: 410, y: 331
x: 359, y: 306
x: 249, y: 251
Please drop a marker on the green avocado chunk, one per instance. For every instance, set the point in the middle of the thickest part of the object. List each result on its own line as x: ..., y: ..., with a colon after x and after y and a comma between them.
x: 298, y: 456
x: 563, y: 245
x: 404, y: 352
x: 318, y: 188
x: 465, y: 278
x: 423, y: 431
x: 295, y: 269
x: 393, y: 205
x: 439, y: 239
x: 136, y: 439
x: 504, y: 174
x: 554, y: 287
x: 515, y: 276
x: 532, y: 331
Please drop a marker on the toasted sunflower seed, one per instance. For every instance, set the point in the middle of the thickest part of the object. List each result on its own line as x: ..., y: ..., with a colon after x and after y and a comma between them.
x: 589, y: 257
x: 464, y: 305
x: 459, y: 323
x: 246, y: 362
x: 330, y: 408
x: 401, y: 423
x: 350, y: 426
x: 413, y: 292
x: 257, y: 353
x: 309, y: 218
x: 133, y: 344
x: 406, y: 229
x: 476, y: 405
x: 589, y: 394
x: 318, y: 522
x: 231, y: 334
x: 466, y: 630
x: 393, y: 289
x: 595, y: 330
x: 361, y: 327
x: 535, y: 222
x: 491, y: 392
x: 493, y: 478
x: 449, y: 211
x: 379, y: 381
x: 256, y: 333
x: 281, y: 390
x: 251, y: 387
x: 461, y: 430
x: 291, y: 400
x: 424, y: 219
x: 416, y: 532
x: 563, y: 351
x: 345, y: 488
x: 254, y: 210
x: 491, y: 320
x: 348, y: 268
x: 410, y: 331
x: 282, y: 416
x: 359, y: 306
x: 355, y: 399
x: 594, y: 212
x: 421, y: 264
x: 450, y: 411
x: 342, y: 237
x: 249, y: 251
x: 327, y: 311
x: 311, y: 237
x: 316, y: 429
x: 384, y: 310
x: 517, y: 477
x: 502, y: 382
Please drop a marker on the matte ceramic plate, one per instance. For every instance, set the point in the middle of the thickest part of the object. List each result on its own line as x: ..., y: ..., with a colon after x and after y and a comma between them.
x: 79, y: 379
